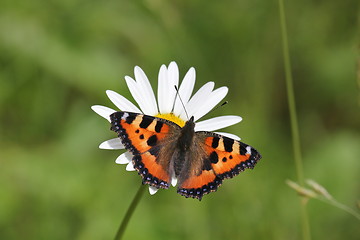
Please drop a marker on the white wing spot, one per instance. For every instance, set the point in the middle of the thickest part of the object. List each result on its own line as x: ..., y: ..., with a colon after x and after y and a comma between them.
x: 248, y: 150
x: 125, y: 116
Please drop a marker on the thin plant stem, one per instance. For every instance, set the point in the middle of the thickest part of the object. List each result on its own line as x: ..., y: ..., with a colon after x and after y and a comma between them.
x: 320, y: 193
x: 129, y: 212
x: 341, y: 206
x: 293, y: 119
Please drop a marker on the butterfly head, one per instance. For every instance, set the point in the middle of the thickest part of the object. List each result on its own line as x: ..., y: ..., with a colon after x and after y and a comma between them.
x: 190, y: 124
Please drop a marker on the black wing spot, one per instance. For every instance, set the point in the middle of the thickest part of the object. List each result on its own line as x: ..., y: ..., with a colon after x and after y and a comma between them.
x: 145, y: 122
x: 130, y: 118
x: 214, y: 158
x: 215, y: 142
x: 152, y: 141
x: 228, y: 144
x: 158, y: 126
x: 243, y: 148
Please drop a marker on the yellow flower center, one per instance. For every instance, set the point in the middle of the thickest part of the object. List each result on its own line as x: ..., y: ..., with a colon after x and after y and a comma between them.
x: 171, y: 117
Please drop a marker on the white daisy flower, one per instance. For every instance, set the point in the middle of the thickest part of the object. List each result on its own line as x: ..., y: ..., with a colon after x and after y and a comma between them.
x: 167, y: 105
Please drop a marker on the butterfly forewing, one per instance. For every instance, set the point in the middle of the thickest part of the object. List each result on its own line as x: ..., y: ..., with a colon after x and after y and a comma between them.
x: 229, y: 157
x: 146, y: 137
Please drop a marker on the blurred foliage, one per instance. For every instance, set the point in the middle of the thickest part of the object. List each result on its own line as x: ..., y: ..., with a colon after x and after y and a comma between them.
x: 57, y: 58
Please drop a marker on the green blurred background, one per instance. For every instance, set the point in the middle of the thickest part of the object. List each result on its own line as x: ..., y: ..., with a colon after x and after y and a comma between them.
x: 57, y: 58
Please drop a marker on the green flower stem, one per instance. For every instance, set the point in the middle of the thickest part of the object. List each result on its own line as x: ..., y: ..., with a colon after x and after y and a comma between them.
x: 129, y: 212
x: 293, y: 119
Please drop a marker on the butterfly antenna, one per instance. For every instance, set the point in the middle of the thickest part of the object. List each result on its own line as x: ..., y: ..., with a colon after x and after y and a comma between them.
x: 224, y: 103
x: 182, y: 103
x: 219, y: 106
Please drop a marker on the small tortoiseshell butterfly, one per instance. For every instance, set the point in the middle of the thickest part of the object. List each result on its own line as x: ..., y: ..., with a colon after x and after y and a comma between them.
x: 162, y: 149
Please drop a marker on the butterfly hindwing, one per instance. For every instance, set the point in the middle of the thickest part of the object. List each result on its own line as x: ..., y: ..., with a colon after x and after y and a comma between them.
x: 198, y: 185
x: 197, y: 176
x: 225, y: 158
x: 144, y: 136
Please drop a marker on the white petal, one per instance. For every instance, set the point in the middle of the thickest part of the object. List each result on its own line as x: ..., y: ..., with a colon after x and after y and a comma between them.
x: 216, y: 123
x: 173, y: 74
x: 229, y: 135
x: 114, y: 143
x: 135, y: 92
x: 185, y: 91
x: 195, y: 101
x: 212, y: 100
x: 163, y: 90
x: 168, y: 78
x: 152, y: 190
x: 174, y: 181
x: 124, y: 158
x: 146, y: 90
x: 105, y: 112
x: 173, y: 80
x: 121, y: 102
x: 130, y: 167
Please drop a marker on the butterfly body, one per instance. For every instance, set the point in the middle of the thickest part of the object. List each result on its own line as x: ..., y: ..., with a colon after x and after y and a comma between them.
x: 163, y: 150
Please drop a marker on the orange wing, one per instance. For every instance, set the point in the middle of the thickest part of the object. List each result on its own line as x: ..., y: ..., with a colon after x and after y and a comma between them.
x: 198, y: 185
x: 224, y: 158
x: 143, y: 135
x: 229, y: 157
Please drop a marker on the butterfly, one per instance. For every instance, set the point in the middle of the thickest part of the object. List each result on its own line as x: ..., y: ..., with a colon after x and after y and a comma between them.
x: 162, y: 150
